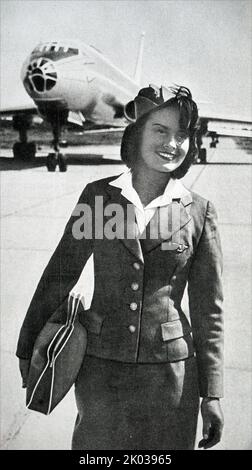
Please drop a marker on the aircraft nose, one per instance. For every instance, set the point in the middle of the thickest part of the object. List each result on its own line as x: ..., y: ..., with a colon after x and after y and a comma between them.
x: 41, y: 75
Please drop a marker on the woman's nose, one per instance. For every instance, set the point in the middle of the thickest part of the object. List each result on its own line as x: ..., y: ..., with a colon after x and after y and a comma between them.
x: 171, y: 143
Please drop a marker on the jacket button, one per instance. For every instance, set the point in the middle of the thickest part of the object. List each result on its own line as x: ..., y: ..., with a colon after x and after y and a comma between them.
x: 132, y: 328
x: 136, y: 266
x: 134, y: 286
x: 133, y: 306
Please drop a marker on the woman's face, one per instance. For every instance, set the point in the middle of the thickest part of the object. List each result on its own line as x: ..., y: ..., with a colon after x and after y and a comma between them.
x: 164, y: 144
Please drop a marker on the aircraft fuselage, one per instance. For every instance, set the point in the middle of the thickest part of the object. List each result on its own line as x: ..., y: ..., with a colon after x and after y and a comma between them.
x: 77, y: 77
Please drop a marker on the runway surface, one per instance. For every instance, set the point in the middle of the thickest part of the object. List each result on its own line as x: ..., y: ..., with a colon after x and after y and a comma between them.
x: 34, y: 209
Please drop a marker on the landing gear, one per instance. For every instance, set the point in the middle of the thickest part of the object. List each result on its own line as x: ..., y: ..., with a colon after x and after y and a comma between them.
x: 54, y: 159
x: 202, y: 157
x: 202, y: 130
x: 26, y: 151
x: 62, y: 162
x: 51, y: 162
x: 57, y: 119
x: 23, y: 150
x: 202, y: 153
x: 215, y: 140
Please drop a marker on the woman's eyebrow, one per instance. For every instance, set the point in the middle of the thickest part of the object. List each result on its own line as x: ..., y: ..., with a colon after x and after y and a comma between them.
x: 168, y: 128
x: 161, y: 125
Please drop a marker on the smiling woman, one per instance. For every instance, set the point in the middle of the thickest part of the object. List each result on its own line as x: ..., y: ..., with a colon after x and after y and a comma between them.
x: 164, y: 145
x: 169, y: 131
x: 146, y: 365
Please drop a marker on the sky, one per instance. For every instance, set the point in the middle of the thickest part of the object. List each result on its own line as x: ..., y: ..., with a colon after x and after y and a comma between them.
x: 203, y: 44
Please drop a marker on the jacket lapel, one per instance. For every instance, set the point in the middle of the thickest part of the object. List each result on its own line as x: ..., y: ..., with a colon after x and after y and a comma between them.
x: 166, y: 225
x: 126, y: 224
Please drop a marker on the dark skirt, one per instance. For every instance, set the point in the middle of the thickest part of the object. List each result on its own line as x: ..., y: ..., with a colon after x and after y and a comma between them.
x: 136, y: 406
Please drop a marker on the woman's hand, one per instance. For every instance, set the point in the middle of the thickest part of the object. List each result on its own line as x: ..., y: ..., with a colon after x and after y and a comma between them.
x: 213, y: 422
x: 24, y: 365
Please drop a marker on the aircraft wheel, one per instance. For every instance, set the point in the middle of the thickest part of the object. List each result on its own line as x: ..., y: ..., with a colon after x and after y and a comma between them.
x: 51, y: 162
x: 213, y: 145
x: 31, y: 150
x: 62, y: 162
x: 17, y: 150
x: 203, y: 156
x: 24, y: 150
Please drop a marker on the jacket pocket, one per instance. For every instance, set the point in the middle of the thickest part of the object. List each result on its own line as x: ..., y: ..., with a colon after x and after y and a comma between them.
x: 178, y: 340
x: 92, y: 320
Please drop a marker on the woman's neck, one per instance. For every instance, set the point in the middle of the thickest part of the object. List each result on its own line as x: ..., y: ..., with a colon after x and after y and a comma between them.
x: 149, y: 183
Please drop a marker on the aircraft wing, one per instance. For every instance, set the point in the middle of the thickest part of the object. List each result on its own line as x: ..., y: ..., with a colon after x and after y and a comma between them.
x: 111, y: 130
x: 75, y: 118
x: 24, y: 109
x: 209, y: 123
x: 226, y: 125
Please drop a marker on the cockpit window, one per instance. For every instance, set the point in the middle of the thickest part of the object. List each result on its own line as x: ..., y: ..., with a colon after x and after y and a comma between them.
x: 73, y: 51
x: 41, y: 75
x: 54, y: 51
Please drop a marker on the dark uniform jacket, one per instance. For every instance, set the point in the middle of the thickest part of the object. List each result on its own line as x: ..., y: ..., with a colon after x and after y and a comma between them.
x: 135, y: 314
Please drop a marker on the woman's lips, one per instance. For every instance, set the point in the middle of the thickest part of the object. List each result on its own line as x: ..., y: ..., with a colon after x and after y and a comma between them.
x: 168, y: 156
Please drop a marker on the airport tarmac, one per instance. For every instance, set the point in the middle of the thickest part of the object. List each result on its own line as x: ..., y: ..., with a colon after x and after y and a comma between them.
x: 35, y: 206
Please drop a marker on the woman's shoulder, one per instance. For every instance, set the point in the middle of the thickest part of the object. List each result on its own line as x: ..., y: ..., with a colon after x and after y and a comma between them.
x: 201, y: 201
x: 187, y: 196
x: 198, y: 199
x: 203, y: 209
x: 102, y: 183
x: 96, y: 188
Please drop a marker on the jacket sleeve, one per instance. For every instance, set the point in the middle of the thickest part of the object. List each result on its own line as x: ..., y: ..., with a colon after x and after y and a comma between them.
x: 205, y: 304
x: 58, y: 278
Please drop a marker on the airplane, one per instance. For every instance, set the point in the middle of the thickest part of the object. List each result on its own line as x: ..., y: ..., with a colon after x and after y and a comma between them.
x: 70, y: 81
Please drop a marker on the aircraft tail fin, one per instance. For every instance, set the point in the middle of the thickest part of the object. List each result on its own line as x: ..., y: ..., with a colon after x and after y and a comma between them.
x: 138, y: 68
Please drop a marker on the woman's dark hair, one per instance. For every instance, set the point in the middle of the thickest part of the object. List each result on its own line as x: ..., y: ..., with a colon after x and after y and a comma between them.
x: 188, y: 121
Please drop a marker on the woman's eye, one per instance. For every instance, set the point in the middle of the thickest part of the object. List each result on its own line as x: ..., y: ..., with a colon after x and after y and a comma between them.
x: 180, y: 138
x: 161, y: 131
